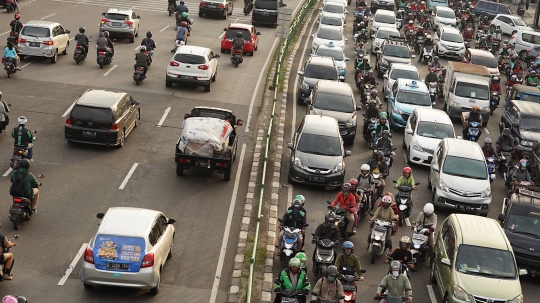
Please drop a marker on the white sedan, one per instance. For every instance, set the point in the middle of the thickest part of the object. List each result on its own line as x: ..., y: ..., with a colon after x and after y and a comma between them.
x: 326, y: 34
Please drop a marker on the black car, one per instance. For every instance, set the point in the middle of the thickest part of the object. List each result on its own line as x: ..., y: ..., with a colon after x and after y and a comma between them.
x: 523, y: 120
x: 222, y: 8
x: 266, y: 12
x: 102, y: 117
x: 315, y: 69
x: 382, y: 4
x: 317, y: 152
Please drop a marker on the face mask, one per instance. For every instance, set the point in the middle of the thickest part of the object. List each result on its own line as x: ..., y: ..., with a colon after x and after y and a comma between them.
x: 395, y: 274
x: 331, y: 279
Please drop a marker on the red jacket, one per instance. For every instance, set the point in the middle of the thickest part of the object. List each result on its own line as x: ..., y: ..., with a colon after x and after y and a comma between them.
x: 345, y: 202
x: 495, y: 87
x: 409, y: 27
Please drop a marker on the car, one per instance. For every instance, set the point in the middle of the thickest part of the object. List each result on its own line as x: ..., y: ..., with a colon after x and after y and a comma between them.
x: 222, y: 8
x: 331, y: 19
x: 425, y: 129
x: 403, y: 98
x: 449, y: 43
x: 382, y: 4
x: 509, y: 24
x: 335, y: 99
x: 523, y: 120
x: 393, y: 50
x: 482, y: 57
x: 443, y: 16
x: 381, y: 35
x: 326, y: 34
x: 524, y: 41
x: 382, y: 18
x: 431, y: 4
x: 194, y: 65
x: 249, y: 33
x: 458, y: 177
x: 525, y: 93
x: 344, y: 2
x: 120, y: 23
x: 266, y: 12
x: 335, y: 52
x: 129, y: 249
x: 474, y: 262
x: 102, y: 117
x: 43, y: 39
x: 317, y: 152
x: 530, y: 54
x: 315, y: 69
x: 491, y: 9
x: 396, y: 71
x: 335, y: 8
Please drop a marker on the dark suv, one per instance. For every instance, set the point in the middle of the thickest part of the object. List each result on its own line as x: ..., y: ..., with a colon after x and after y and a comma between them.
x: 266, y: 12
x: 523, y: 120
x: 102, y: 117
x: 382, y: 4
x: 393, y: 50
x: 315, y: 69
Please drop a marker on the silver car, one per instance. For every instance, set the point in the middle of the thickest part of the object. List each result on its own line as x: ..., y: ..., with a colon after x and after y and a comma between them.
x: 129, y: 249
x: 120, y: 23
x: 43, y: 39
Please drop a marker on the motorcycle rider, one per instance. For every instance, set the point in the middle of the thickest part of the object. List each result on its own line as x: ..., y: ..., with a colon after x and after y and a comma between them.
x: 102, y: 44
x: 467, y: 35
x: 419, y: 33
x: 473, y: 116
x: 348, y: 203
x: 184, y: 17
x: 250, y: 3
x: 367, y: 80
x: 506, y: 142
x: 436, y: 64
x: 497, y: 34
x: 82, y: 40
x: 422, y: 6
x: 512, y: 51
x: 377, y: 165
x: 407, y: 179
x: 348, y: 263
x: 428, y: 219
x: 362, y: 36
x: 489, y: 40
x: 379, y: 128
x: 510, y: 83
x: 172, y: 3
x: 11, y: 52
x: 30, y: 184
x: 371, y: 112
x: 16, y: 25
x: 427, y: 43
x: 504, y: 52
x: 294, y: 218
x: 441, y: 78
x: 395, y: 283
x: 385, y: 144
x: 292, y: 278
x: 149, y: 42
x: 182, y: 32
x: 238, y: 42
x: 431, y: 77
x: 374, y: 95
x: 23, y: 137
x: 181, y: 8
x: 482, y: 44
x: 521, y: 174
x: 328, y: 288
x: 110, y: 44
x: 409, y: 26
x: 303, y: 200
x: 142, y: 59
x: 327, y: 230
x: 354, y: 191
x: 384, y: 213
x: 495, y: 86
x: 488, y: 149
x: 6, y: 258
x: 365, y: 178
x: 532, y: 79
x: 402, y: 253
x: 426, y: 24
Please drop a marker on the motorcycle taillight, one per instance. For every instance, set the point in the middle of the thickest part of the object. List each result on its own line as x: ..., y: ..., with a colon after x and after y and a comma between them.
x: 18, y: 152
x: 102, y: 53
x: 139, y: 68
x: 17, y: 200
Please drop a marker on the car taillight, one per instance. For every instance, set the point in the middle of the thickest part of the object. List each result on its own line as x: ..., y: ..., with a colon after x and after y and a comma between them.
x: 105, y: 20
x: 512, y: 37
x: 528, y: 51
x: 114, y: 127
x: 202, y: 4
x: 148, y: 260
x: 20, y: 40
x: 17, y: 200
x: 89, y: 256
x: 129, y: 23
x: 205, y: 66
x: 68, y: 122
x: 174, y: 63
x: 50, y: 42
x: 221, y: 6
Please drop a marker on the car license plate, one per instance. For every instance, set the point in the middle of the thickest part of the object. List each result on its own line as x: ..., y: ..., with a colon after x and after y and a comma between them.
x: 34, y: 44
x: 316, y: 178
x: 89, y: 134
x: 204, y: 164
x: 117, y: 24
x: 122, y: 266
x: 211, y: 6
x: 185, y: 77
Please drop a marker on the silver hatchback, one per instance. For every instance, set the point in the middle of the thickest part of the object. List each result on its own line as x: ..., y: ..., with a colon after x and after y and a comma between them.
x: 120, y: 23
x: 43, y: 39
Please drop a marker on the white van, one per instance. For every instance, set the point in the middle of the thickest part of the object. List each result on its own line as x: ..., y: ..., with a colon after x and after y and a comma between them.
x: 525, y: 40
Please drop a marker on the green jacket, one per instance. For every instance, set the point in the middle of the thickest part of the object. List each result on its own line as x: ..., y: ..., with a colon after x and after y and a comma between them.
x: 351, y: 261
x: 286, y: 281
x: 396, y: 287
x: 402, y: 181
x: 431, y: 78
x: 29, y: 182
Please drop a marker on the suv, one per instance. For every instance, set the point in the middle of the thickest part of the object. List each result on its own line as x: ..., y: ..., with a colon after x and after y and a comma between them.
x: 523, y: 120
x: 382, y: 18
x: 266, y: 12
x: 491, y: 8
x: 102, y: 117
x: 315, y: 69
x: 509, y: 24
x: 194, y: 65
x: 222, y: 8
x: 524, y: 93
x: 393, y: 50
x: 382, y: 4
x: 43, y: 39
x: 336, y: 99
x: 524, y: 41
x: 120, y: 23
x: 482, y: 57
x: 448, y: 42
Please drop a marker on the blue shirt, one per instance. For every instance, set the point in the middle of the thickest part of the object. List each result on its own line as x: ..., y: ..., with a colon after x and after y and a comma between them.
x: 182, y: 9
x: 10, y: 53
x: 181, y: 33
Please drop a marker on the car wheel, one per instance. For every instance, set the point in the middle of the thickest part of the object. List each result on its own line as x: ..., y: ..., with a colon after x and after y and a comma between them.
x: 171, y: 250
x: 155, y: 290
x: 65, y: 51
x: 55, y: 57
x: 179, y: 169
x: 214, y: 77
x: 257, y: 46
x: 251, y: 54
x: 232, y: 9
x: 168, y: 83
x: 137, y: 119
x: 408, y: 157
x: 429, y: 181
x: 200, y: 14
x: 222, y: 50
x: 21, y: 57
x: 432, y: 273
x: 137, y: 33
x: 122, y: 139
x: 207, y: 88
x: 523, y: 55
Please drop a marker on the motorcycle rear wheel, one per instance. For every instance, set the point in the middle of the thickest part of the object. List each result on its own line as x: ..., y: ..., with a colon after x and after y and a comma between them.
x: 16, y: 221
x: 401, y: 217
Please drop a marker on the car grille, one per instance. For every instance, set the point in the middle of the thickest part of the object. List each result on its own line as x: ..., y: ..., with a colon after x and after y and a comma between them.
x: 427, y: 150
x: 478, y: 299
x: 318, y: 171
x: 453, y: 48
x: 463, y: 193
x: 405, y: 117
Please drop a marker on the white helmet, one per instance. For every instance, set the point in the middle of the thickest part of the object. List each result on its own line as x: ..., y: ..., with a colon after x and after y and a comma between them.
x: 428, y: 37
x: 411, y: 22
x: 428, y: 209
x: 364, y: 167
x: 22, y: 120
x: 143, y: 48
x: 386, y: 199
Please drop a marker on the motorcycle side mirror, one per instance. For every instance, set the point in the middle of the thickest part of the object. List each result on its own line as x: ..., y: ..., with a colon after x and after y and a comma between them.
x: 16, y: 237
x: 239, y: 122
x: 171, y: 221
x: 258, y: 33
x: 100, y: 215
x: 388, y: 254
x: 315, y: 293
x: 41, y: 176
x: 340, y: 297
x: 225, y: 29
x: 394, y: 181
x: 138, y: 17
x: 363, y: 271
x: 413, y: 56
x: 347, y: 59
x: 217, y: 56
x: 347, y: 153
x: 385, y: 76
x: 363, y: 114
x: 306, y: 225
x: 103, y: 14
x: 280, y: 221
x: 34, y: 131
x: 359, y: 107
x: 346, y: 39
x: 501, y: 217
x: 433, y: 103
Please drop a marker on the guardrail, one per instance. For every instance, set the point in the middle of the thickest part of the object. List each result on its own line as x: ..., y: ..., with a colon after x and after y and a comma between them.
x: 295, y: 24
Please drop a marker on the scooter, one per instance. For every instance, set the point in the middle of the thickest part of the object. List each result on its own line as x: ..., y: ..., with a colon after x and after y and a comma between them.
x: 289, y: 295
x: 236, y: 58
x: 289, y: 244
x: 473, y: 131
x: 427, y: 54
x: 505, y: 153
x: 420, y: 246
x: 7, y: 250
x: 103, y: 59
x: 10, y: 6
x: 324, y: 255
x: 177, y: 43
x: 371, y: 126
x: 9, y: 66
x: 404, y: 201
x: 494, y: 101
x: 364, y: 203
x: 376, y: 183
x: 20, y: 211
x: 349, y: 286
x: 341, y: 220
x: 247, y: 8
x: 378, y: 238
x: 521, y: 10
x: 171, y: 9
x: 139, y: 75
x: 433, y: 91
x: 491, y: 166
x: 418, y: 43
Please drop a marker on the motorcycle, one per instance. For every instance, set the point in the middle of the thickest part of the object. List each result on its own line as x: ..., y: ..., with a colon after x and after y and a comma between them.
x: 420, y: 246
x: 341, y: 220
x: 359, y: 55
x: 521, y: 10
x: 433, y: 91
x: 139, y: 75
x: 9, y: 66
x: 349, y: 286
x: 376, y: 183
x: 236, y: 58
x: 472, y: 133
x: 404, y: 201
x: 19, y: 153
x: 20, y: 211
x: 371, y: 126
x: 427, y: 54
x: 410, y: 35
x: 290, y: 295
x: 388, y: 153
x: 171, y: 9
x: 495, y: 46
x: 289, y: 244
x: 494, y: 101
x: 10, y: 6
x: 103, y: 58
x: 247, y: 8
x: 360, y: 77
x: 324, y: 255
x: 79, y: 54
x: 418, y: 43
x: 404, y: 267
x: 364, y: 203
x: 387, y: 299
x: 367, y: 93
x: 491, y: 163
x: 177, y: 43
x: 378, y: 238
x: 419, y: 15
x: 504, y: 154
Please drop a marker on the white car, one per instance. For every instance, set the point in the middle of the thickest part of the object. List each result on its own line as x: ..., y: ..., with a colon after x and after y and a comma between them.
x: 43, y: 39
x: 396, y: 71
x: 424, y: 131
x: 331, y: 19
x: 382, y: 18
x: 192, y: 65
x: 509, y: 24
x: 344, y: 2
x: 449, y: 43
x: 334, y: 8
x: 129, y: 249
x: 326, y: 34
x: 443, y: 16
x: 382, y: 34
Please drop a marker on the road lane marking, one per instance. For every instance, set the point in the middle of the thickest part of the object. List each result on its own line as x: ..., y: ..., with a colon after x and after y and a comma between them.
x: 7, y: 172
x: 27, y: 64
x: 137, y: 47
x: 221, y: 36
x: 223, y: 250
x: 48, y: 16
x: 167, y: 110
x: 431, y: 294
x: 487, y: 131
x: 263, y: 72
x: 72, y: 38
x: 110, y: 70
x: 72, y: 265
x: 4, y: 33
x: 165, y: 28
x: 128, y: 176
x: 69, y: 109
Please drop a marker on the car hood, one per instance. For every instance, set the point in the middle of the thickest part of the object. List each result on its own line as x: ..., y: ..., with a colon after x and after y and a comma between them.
x: 340, y: 116
x: 446, y: 20
x: 523, y: 243
x: 408, y: 108
x: 506, y: 289
x: 523, y: 28
x: 427, y: 143
x: 397, y: 60
x: 319, y: 161
x: 465, y: 184
x: 311, y: 82
x: 530, y: 135
x: 340, y: 64
x: 321, y: 41
x: 454, y: 44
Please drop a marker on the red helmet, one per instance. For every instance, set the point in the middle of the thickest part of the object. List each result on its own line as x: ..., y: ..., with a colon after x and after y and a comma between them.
x: 184, y: 24
x: 353, y: 182
x: 17, y: 16
x: 407, y: 170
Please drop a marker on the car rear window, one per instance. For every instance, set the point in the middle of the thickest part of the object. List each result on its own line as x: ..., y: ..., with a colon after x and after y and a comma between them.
x: 266, y: 4
x: 39, y: 32
x: 321, y: 72
x: 231, y: 33
x: 397, y: 51
x: 117, y: 16
x: 116, y: 253
x: 333, y: 8
x: 385, y: 19
x: 485, y: 61
x: 189, y: 58
x: 81, y: 113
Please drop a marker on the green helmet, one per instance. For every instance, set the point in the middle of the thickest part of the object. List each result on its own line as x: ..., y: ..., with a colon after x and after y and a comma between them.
x: 298, y: 197
x: 538, y: 87
x: 383, y: 114
x: 294, y: 262
x: 303, y: 258
x: 184, y: 15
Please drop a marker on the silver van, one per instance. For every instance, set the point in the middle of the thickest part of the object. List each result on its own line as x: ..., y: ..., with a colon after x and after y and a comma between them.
x: 525, y: 40
x: 43, y: 39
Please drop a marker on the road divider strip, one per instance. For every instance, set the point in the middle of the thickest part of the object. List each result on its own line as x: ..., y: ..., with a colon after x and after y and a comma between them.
x: 167, y: 110
x: 128, y: 176
x: 72, y: 265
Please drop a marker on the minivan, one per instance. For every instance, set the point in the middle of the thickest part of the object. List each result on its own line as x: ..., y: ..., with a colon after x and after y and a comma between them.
x: 491, y: 9
x: 525, y: 40
x: 474, y: 262
x: 102, y: 117
x: 458, y: 177
x: 266, y: 12
x: 443, y: 16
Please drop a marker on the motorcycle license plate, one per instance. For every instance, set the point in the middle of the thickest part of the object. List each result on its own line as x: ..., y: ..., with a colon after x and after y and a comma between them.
x: 116, y: 24
x: 402, y: 207
x: 15, y: 210
x: 289, y: 300
x: 121, y: 266
x: 89, y: 134
x: 33, y: 44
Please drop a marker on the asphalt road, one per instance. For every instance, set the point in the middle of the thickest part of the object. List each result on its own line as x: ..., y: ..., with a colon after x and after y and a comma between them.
x: 316, y: 197
x: 82, y: 180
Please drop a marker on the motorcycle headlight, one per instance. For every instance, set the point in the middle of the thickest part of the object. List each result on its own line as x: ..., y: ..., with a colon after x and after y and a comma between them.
x: 486, y: 193
x: 298, y: 163
x: 304, y: 85
x: 417, y: 246
x: 443, y: 187
x: 518, y: 299
x: 397, y: 111
x: 338, y: 168
x: 417, y: 146
x: 461, y: 294
x: 351, y: 123
x: 525, y: 143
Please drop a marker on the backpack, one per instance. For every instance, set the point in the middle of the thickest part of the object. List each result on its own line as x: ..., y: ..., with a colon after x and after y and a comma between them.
x: 17, y: 188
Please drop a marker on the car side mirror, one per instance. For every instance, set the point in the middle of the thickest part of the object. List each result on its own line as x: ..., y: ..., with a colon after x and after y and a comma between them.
x: 391, y: 99
x: 171, y: 221
x: 379, y: 51
x: 318, y: 22
x: 225, y: 29
x: 515, y: 125
x: 239, y: 122
x: 446, y: 261
x: 409, y: 131
x: 433, y: 103
x: 307, y: 100
x: 217, y: 56
x: 138, y: 17
x: 300, y: 72
x: 258, y: 33
x: 394, y: 181
x: 67, y: 31
x: 290, y: 146
x: 187, y: 116
x: 103, y: 14
x: 372, y: 36
x: 435, y: 168
x: 347, y: 59
x: 347, y: 153
x: 346, y: 39
x: 385, y: 76
x: 523, y: 272
x: 363, y: 271
x: 501, y: 218
x: 417, y: 183
x: 284, y: 5
x: 100, y: 215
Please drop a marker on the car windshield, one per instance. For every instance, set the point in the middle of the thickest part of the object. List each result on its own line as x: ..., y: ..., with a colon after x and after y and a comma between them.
x: 434, y: 130
x: 451, y: 37
x: 466, y: 168
x: 530, y: 123
x: 116, y: 17
x: 384, y: 34
x: 446, y: 14
x: 519, y: 22
x: 405, y: 74
x: 472, y: 90
x: 92, y: 114
x: 319, y: 145
x: 231, y: 33
x: 332, y: 53
x: 331, y: 21
x: 266, y: 4
x: 189, y: 59
x: 333, y: 8
x: 523, y: 220
x: 321, y: 72
x: 489, y: 62
x: 329, y: 33
x: 486, y: 262
x: 333, y: 102
x: 397, y: 51
x: 530, y: 97
x: 39, y: 32
x: 413, y: 97
x: 390, y: 19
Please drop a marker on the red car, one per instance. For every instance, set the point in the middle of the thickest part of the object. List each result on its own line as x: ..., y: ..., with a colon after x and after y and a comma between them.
x: 251, y: 39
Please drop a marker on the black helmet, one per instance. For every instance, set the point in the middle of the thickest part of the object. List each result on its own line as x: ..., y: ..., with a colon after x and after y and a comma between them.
x: 238, y: 34
x: 332, y: 271
x: 21, y: 299
x: 149, y: 34
x: 296, y: 205
x: 330, y: 218
x: 101, y: 34
x: 24, y: 163
x: 372, y: 103
x: 106, y: 34
x: 81, y: 30
x: 182, y: 2
x: 386, y: 133
x: 506, y: 132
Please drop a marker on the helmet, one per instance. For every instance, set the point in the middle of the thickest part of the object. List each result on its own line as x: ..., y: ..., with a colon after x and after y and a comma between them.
x: 411, y: 22
x: 513, y: 78
x: 374, y: 92
x: 365, y: 167
x: 432, y: 70
x: 9, y: 299
x: 505, y: 41
x: 405, y: 240
x: 483, y: 38
x: 495, y: 78
x: 383, y: 118
x: 522, y: 163
x: 81, y: 30
x: 22, y: 120
x: 407, y: 170
x: 386, y: 200
x: 513, y: 46
x: 332, y: 271
x: 183, y: 24
x: 184, y: 15
x: 100, y: 34
x: 386, y: 134
x: 329, y: 219
x: 106, y: 34
x: 428, y: 209
x: 533, y: 72
x: 365, y: 58
x: 353, y: 182
x: 378, y: 153
x: 302, y: 257
x: 143, y: 48
x: 294, y: 262
x: 21, y: 299
x: 428, y: 36
x: 436, y: 58
x: 239, y: 34
x: 372, y: 103
x: 476, y: 107
x: 383, y: 114
x: 506, y: 132
x: 24, y: 163
x: 346, y: 188
x: 444, y: 70
x: 182, y: 2
x: 347, y: 245
x: 423, y: 2
x: 149, y: 34
x: 17, y: 16
x: 363, y: 30
x: 487, y: 141
x: 296, y: 204
x: 301, y: 198
x: 370, y: 72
